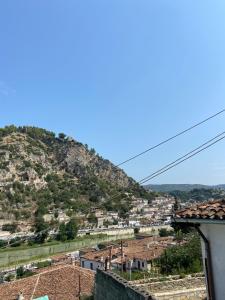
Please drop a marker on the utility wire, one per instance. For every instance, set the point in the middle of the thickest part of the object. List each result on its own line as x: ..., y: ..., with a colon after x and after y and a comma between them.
x: 173, y: 162
x: 170, y: 138
x: 158, y: 173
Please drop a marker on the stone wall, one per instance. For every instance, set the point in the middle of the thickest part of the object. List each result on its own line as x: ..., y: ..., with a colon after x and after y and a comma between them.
x: 188, y: 288
x: 191, y: 294
x: 174, y: 285
x: 110, y: 286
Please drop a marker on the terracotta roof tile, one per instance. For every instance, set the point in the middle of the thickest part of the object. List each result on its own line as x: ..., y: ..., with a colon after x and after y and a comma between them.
x: 209, y: 210
x: 58, y: 282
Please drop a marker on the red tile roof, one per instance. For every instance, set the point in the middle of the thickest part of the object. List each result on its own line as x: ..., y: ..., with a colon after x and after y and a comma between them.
x: 212, y: 210
x: 58, y: 282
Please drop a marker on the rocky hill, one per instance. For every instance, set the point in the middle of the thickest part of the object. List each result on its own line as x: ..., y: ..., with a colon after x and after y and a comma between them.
x: 40, y: 171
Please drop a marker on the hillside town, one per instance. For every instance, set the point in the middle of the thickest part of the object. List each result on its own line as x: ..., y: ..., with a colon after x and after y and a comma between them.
x: 143, y: 213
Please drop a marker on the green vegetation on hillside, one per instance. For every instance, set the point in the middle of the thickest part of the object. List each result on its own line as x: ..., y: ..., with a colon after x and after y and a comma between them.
x: 198, y: 195
x: 42, y: 173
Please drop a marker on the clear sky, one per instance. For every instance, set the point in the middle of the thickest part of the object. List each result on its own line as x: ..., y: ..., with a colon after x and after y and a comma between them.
x: 119, y: 75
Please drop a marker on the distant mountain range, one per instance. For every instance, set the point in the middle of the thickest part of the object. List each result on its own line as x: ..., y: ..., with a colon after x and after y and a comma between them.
x: 181, y: 187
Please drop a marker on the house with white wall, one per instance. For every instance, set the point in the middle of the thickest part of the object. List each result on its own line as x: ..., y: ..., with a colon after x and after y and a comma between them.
x: 97, y: 259
x: 209, y: 220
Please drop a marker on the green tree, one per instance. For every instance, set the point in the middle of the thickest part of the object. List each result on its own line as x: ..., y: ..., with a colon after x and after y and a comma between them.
x: 184, y: 258
x: 71, y: 229
x: 62, y: 136
x: 164, y: 232
x: 41, y: 237
x: 62, y: 233
x: 40, y: 224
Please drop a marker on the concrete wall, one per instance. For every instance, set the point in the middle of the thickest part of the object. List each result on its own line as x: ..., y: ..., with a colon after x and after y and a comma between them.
x: 154, y: 229
x: 128, y: 230
x: 109, y: 286
x: 215, y: 233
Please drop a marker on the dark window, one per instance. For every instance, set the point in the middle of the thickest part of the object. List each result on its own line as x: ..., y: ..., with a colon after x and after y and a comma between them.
x: 143, y: 264
x: 91, y: 266
x: 82, y: 264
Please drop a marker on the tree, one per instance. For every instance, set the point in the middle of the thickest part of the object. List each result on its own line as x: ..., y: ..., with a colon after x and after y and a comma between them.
x: 62, y: 233
x: 71, y: 229
x: 40, y: 224
x: 176, y: 205
x: 92, y: 218
x: 182, y: 258
x: 136, y: 230
x: 62, y: 136
x: 164, y: 232
x: 92, y: 151
x: 41, y: 237
x: 3, y: 243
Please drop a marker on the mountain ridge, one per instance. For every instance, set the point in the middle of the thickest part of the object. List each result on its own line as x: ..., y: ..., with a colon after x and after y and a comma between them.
x: 181, y: 187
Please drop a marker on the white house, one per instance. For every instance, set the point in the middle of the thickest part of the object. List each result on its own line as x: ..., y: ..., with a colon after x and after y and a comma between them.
x: 209, y: 220
x: 97, y: 259
x: 92, y: 264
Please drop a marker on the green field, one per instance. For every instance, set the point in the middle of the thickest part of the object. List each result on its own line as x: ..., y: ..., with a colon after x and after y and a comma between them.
x: 15, y: 256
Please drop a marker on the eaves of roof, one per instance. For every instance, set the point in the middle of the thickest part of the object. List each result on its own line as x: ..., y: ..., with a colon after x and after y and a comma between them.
x: 199, y: 221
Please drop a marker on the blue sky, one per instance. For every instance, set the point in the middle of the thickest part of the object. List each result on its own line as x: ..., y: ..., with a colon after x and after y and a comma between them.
x: 119, y: 75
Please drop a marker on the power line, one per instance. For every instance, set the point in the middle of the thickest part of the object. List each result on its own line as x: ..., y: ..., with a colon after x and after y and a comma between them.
x: 171, y: 138
x: 165, y: 170
x: 173, y: 162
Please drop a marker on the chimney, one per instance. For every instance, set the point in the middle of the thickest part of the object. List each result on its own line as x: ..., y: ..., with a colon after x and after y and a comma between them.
x: 20, y: 296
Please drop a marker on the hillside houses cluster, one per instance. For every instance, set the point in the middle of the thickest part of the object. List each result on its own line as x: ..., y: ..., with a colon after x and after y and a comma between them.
x: 139, y: 254
x: 143, y: 212
x: 157, y: 212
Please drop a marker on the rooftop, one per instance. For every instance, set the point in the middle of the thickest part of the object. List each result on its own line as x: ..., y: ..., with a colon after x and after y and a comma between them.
x: 212, y: 210
x: 57, y: 282
x: 146, y: 248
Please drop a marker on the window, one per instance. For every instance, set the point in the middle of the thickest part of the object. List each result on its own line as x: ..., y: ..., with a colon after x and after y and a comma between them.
x: 82, y: 264
x: 143, y: 264
x: 139, y: 265
x: 91, y: 266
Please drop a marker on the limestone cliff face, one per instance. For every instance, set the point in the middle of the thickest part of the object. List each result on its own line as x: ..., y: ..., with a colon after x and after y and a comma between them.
x: 76, y: 159
x: 38, y: 169
x: 29, y: 160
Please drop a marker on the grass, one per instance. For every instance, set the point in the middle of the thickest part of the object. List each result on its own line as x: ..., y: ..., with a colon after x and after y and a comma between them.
x: 27, y: 254
x: 51, y: 243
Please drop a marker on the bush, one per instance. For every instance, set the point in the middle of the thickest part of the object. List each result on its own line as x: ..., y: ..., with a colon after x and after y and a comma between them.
x: 43, y: 264
x: 9, y: 227
x: 21, y: 272
x: 136, y: 230
x: 16, y: 242
x: 163, y: 232
x: 2, y: 243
